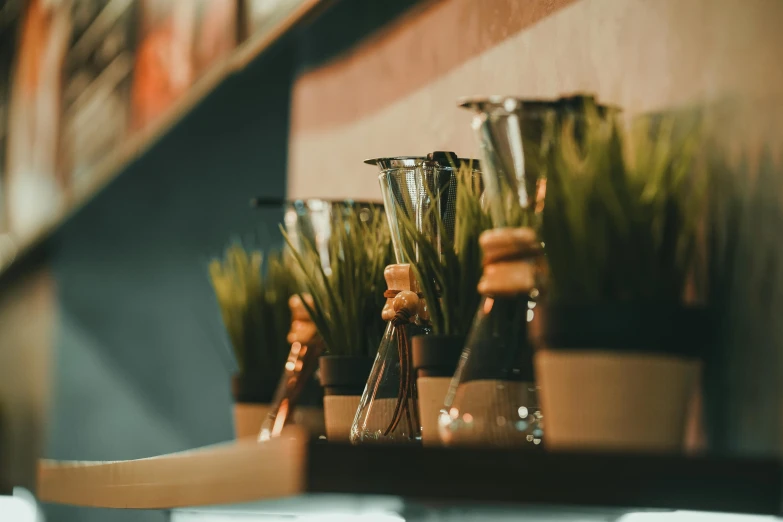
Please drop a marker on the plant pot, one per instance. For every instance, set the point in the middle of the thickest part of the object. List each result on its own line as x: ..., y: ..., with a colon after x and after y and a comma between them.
x: 343, y: 379
x: 619, y: 377
x: 435, y: 359
x: 248, y: 417
x: 251, y: 404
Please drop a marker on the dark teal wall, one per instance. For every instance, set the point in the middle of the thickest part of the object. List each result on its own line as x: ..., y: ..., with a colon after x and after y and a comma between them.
x: 138, y: 369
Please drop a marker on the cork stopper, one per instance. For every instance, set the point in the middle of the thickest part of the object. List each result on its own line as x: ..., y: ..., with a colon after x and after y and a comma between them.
x: 303, y: 329
x: 510, y: 258
x: 298, y: 311
x: 501, y: 244
x: 400, y: 277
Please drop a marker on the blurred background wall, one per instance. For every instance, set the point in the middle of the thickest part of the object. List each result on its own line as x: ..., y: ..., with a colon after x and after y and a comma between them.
x: 138, y: 370
x: 120, y: 293
x: 396, y: 93
x: 137, y: 363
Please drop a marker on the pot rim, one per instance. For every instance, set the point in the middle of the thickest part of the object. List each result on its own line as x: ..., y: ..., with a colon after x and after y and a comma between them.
x: 675, y: 329
x: 532, y: 106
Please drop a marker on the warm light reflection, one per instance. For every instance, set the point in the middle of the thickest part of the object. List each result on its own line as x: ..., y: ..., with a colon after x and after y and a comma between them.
x: 541, y: 195
x: 522, y: 411
x: 488, y: 303
x: 282, y: 414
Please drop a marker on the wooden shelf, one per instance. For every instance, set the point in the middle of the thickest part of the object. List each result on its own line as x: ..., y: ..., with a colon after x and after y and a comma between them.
x: 15, y: 249
x: 234, y: 472
x: 294, y: 465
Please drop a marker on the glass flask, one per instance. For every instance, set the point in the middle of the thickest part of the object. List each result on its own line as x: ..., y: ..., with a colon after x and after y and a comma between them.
x: 417, y: 191
x: 493, y: 399
x: 311, y: 222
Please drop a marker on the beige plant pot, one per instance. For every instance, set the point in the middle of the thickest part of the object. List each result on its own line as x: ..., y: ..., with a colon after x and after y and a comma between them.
x: 339, y: 412
x: 343, y: 379
x: 248, y: 418
x: 432, y: 393
x: 614, y: 400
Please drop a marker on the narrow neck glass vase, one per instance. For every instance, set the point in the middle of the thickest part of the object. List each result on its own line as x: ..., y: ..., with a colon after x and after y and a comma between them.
x: 492, y: 399
x: 419, y: 192
x: 308, y: 223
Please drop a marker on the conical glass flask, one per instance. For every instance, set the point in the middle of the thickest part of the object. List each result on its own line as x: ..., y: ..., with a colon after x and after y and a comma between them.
x: 307, y: 222
x: 421, y: 191
x: 492, y: 399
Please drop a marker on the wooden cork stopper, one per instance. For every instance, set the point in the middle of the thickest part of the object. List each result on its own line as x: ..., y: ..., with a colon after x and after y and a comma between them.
x: 298, y: 311
x: 303, y: 332
x: 509, y: 261
x: 502, y: 244
x: 508, y: 278
x: 400, y: 277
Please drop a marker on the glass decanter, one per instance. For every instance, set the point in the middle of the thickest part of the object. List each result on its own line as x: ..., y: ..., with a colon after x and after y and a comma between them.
x: 493, y: 399
x: 417, y: 191
x: 307, y: 222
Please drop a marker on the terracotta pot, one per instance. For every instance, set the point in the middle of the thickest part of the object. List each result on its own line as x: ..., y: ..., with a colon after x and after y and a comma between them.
x: 619, y: 377
x: 435, y: 359
x: 343, y: 379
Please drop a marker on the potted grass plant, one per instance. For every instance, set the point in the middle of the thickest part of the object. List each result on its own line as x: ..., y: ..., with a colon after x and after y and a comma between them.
x: 744, y: 285
x: 447, y: 281
x: 620, y: 227
x: 345, y: 300
x: 252, y: 291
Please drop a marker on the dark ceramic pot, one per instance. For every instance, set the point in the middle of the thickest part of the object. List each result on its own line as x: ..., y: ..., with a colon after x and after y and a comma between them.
x: 628, y: 327
x: 344, y: 375
x: 253, y: 388
x: 436, y: 355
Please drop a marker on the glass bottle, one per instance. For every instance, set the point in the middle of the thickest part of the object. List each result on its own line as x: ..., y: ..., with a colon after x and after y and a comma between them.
x: 492, y: 399
x: 311, y: 222
x: 421, y: 191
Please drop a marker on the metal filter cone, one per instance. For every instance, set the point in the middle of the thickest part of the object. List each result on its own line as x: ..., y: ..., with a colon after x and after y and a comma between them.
x: 421, y: 189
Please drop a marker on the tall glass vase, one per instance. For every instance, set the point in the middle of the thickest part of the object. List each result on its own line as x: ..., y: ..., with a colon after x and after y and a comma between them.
x: 307, y: 222
x: 418, y: 191
x: 493, y: 399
